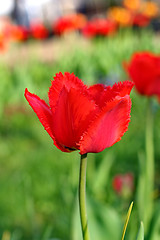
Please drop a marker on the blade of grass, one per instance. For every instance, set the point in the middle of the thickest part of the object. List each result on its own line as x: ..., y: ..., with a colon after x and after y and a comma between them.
x: 127, y: 220
x: 141, y: 232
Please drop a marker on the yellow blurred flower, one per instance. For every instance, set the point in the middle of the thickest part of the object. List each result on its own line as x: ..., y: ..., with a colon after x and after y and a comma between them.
x: 132, y: 5
x: 120, y: 15
x: 150, y: 9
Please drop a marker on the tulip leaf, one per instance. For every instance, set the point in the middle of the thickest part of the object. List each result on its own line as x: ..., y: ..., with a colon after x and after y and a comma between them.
x: 155, y: 233
x: 141, y: 186
x: 141, y: 232
x: 127, y: 220
x: 144, y: 192
x: 102, y: 173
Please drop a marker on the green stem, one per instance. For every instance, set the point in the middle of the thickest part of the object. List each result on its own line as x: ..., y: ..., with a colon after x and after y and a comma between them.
x: 149, y: 168
x: 82, y: 197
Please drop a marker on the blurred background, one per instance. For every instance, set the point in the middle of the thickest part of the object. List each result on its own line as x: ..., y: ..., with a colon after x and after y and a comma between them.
x: 38, y: 183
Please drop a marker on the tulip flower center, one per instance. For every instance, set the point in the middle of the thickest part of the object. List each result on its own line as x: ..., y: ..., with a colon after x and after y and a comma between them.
x: 71, y: 149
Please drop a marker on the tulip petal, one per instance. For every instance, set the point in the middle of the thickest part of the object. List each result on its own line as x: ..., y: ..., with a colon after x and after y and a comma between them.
x: 42, y: 110
x: 108, y: 127
x: 68, y: 80
x: 44, y: 114
x: 71, y: 116
x: 154, y: 88
x: 97, y: 92
x: 102, y: 94
x: 120, y: 89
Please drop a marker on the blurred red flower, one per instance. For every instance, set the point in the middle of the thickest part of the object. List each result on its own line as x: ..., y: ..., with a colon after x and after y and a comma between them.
x: 140, y: 20
x: 83, y: 118
x: 69, y: 23
x: 19, y: 33
x: 99, y: 27
x: 39, y: 31
x: 5, y: 34
x: 144, y: 70
x: 123, y: 184
x: 4, y: 40
x: 3, y: 44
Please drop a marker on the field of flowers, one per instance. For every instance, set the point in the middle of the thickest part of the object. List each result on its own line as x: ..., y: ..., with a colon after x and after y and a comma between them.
x: 38, y: 182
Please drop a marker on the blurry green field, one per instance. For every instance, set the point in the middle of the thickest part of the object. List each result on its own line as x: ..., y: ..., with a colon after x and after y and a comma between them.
x: 38, y: 183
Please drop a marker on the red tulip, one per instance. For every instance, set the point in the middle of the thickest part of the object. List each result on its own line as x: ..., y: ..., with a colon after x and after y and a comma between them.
x: 83, y: 118
x: 3, y: 45
x: 144, y: 70
x: 19, y: 33
x: 117, y: 184
x: 99, y: 27
x: 69, y: 23
x: 123, y: 183
x: 39, y: 31
x: 140, y: 20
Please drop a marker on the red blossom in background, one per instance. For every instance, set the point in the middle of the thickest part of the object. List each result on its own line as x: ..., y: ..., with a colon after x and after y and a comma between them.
x: 140, y: 20
x: 123, y: 184
x: 5, y: 35
x: 144, y: 71
x: 99, y: 27
x: 83, y: 118
x: 19, y: 33
x: 69, y: 23
x: 3, y: 44
x: 39, y: 31
x: 4, y: 40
